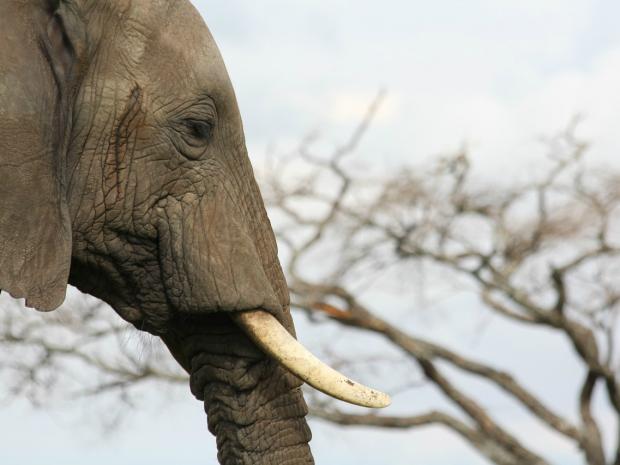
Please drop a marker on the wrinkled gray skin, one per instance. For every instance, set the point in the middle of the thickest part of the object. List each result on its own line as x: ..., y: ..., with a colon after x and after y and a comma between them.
x: 123, y: 171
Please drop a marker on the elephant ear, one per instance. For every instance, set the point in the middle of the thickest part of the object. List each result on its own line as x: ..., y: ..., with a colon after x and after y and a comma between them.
x: 36, y: 60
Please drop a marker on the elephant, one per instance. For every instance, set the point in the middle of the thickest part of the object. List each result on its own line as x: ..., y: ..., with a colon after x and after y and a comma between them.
x: 124, y: 172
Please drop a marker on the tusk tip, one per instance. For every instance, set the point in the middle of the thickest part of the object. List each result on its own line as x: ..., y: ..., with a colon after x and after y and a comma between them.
x: 383, y: 400
x: 370, y: 398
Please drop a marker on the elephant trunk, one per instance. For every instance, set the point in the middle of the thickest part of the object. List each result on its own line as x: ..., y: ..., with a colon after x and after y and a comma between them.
x: 255, y: 408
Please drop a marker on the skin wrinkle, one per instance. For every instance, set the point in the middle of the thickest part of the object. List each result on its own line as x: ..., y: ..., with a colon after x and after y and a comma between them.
x: 129, y: 199
x: 247, y: 432
x: 109, y: 144
x: 220, y: 412
x: 271, y: 435
x: 95, y: 97
x: 233, y: 400
x: 174, y: 223
x: 188, y: 247
x: 121, y: 139
x: 204, y: 223
x: 234, y: 282
x: 263, y: 242
x: 246, y: 378
x: 180, y: 263
x: 215, y: 251
x: 160, y: 262
x: 131, y: 204
x: 277, y: 441
x: 133, y: 112
x: 264, y: 436
x: 92, y: 159
x: 243, y: 207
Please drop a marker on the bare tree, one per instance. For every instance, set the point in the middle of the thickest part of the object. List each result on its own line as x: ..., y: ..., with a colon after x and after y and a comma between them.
x: 544, y: 253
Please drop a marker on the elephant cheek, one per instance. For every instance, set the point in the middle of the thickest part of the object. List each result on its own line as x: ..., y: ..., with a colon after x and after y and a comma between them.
x: 209, y: 262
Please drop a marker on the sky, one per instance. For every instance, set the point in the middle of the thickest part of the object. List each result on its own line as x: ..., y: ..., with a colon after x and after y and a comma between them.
x: 494, y: 76
x: 491, y: 75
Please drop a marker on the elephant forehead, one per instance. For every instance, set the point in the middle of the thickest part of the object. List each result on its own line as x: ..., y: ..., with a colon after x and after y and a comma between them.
x: 175, y: 43
x: 157, y: 15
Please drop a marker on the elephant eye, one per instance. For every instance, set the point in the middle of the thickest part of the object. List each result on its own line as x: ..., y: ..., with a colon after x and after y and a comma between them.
x: 199, y: 130
x: 192, y: 136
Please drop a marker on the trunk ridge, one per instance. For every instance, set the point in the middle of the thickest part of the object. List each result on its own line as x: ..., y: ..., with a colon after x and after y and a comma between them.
x: 254, y: 407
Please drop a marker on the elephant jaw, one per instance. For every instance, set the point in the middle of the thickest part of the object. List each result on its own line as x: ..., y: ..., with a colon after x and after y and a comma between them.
x: 268, y: 334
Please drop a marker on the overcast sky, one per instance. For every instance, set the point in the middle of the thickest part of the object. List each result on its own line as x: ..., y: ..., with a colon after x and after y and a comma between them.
x: 491, y: 74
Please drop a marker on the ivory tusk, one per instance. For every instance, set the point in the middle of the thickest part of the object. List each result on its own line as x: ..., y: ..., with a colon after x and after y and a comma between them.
x: 267, y: 332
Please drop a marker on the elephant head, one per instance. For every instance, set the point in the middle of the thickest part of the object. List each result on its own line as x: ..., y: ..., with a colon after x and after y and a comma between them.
x: 124, y: 172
